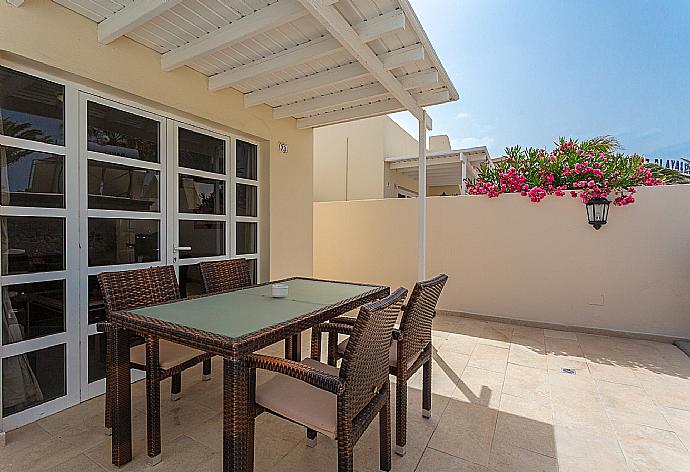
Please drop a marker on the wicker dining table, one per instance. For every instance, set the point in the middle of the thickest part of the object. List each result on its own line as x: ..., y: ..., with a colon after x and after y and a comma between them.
x: 232, y: 325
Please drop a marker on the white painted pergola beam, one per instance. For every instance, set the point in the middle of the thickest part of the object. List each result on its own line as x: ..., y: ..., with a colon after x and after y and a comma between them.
x: 15, y: 3
x: 310, y: 51
x: 366, y: 111
x: 392, y: 59
x: 131, y: 17
x: 331, y: 19
x: 265, y: 19
x: 346, y: 97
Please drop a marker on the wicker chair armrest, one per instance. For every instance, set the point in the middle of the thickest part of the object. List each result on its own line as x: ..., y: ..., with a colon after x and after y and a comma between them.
x: 348, y: 320
x: 104, y: 327
x: 324, y: 381
x: 332, y: 327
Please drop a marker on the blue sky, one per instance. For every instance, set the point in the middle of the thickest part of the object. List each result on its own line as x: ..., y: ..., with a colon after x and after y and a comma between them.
x: 529, y: 71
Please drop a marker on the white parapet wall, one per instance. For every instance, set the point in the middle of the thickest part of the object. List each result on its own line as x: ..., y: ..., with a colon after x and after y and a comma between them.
x: 510, y: 258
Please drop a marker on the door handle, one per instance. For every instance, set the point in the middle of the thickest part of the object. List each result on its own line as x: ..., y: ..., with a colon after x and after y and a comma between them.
x: 182, y: 248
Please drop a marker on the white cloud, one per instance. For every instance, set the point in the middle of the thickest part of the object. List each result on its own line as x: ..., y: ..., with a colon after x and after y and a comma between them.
x: 462, y: 115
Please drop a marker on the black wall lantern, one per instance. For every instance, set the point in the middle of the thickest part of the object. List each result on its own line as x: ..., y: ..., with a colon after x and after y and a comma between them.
x: 598, y: 211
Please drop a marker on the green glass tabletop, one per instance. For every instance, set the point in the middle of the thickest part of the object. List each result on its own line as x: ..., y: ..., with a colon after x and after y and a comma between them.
x: 246, y: 311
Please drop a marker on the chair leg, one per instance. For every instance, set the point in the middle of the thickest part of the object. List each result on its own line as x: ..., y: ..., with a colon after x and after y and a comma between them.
x: 207, y: 371
x: 426, y: 389
x: 176, y: 387
x: 332, y: 349
x: 153, y: 401
x: 400, y: 415
x: 311, y: 438
x: 346, y: 461
x: 108, y: 423
x: 385, y: 437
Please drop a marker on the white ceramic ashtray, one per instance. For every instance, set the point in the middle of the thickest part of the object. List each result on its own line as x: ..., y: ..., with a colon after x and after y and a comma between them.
x: 279, y: 290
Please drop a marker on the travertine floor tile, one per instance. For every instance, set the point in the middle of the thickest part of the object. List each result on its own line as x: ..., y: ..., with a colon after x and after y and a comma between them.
x: 527, y: 356
x: 552, y: 333
x: 584, y: 450
x: 465, y: 431
x: 526, y: 423
x: 507, y: 458
x: 437, y: 461
x: 489, y: 357
x: 630, y: 404
x: 649, y: 449
x: 479, y: 386
x: 526, y: 382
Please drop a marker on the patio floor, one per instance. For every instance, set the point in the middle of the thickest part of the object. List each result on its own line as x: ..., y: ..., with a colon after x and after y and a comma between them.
x: 501, y: 403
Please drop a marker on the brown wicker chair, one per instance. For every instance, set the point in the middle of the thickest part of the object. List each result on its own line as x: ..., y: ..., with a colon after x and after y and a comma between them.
x: 226, y: 275
x: 133, y: 289
x: 340, y: 403
x: 411, y: 349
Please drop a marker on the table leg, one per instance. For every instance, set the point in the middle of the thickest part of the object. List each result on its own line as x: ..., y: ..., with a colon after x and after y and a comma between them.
x: 121, y: 399
x: 296, y: 342
x: 237, y: 416
x: 293, y: 347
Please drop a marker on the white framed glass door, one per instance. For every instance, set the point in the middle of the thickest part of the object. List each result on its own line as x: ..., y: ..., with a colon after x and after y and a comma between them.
x: 39, y: 368
x: 122, y: 181
x: 200, y: 200
x: 87, y: 185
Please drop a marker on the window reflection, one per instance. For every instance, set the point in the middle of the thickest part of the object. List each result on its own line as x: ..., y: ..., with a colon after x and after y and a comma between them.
x: 246, y: 159
x: 32, y: 310
x: 119, y: 133
x: 246, y: 238
x: 246, y: 201
x: 97, y: 350
x: 122, y: 241
x: 190, y: 280
x: 96, y: 304
x: 31, y: 108
x: 118, y: 187
x: 33, y: 378
x: 199, y: 195
x: 206, y: 238
x: 31, y: 179
x: 200, y: 151
x: 32, y: 244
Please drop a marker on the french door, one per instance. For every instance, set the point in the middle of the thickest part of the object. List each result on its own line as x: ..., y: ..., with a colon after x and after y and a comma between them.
x: 87, y: 185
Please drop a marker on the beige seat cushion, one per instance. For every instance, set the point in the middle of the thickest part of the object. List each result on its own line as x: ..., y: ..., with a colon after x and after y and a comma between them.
x: 392, y: 354
x: 169, y: 354
x: 300, y: 402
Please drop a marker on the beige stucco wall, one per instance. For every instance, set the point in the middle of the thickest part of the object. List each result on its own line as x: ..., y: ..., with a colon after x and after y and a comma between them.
x: 62, y: 42
x: 511, y: 258
x: 348, y: 161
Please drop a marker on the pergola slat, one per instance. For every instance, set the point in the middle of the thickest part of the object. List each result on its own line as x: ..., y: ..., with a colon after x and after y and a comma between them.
x: 131, y: 17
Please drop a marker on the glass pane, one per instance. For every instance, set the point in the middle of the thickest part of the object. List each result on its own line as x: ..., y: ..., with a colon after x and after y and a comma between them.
x: 199, y: 195
x: 31, y: 108
x: 200, y: 151
x: 96, y: 305
x: 32, y: 179
x: 253, y: 271
x: 245, y: 157
x: 33, y: 378
x: 118, y: 187
x: 122, y: 241
x: 190, y: 280
x: 119, y: 133
x: 246, y: 200
x: 32, y: 244
x: 246, y: 238
x: 32, y: 310
x: 97, y: 345
x: 206, y: 238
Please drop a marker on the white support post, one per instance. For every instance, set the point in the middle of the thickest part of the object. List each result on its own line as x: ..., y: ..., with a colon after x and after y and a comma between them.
x: 463, y: 174
x: 424, y: 123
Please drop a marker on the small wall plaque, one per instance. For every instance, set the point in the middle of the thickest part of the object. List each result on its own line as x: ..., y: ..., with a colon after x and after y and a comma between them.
x: 283, y: 147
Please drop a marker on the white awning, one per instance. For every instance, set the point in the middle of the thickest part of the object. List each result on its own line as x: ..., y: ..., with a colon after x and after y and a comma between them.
x: 445, y: 167
x: 319, y: 61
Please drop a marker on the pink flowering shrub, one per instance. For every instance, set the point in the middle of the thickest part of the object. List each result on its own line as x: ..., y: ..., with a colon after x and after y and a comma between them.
x: 588, y: 169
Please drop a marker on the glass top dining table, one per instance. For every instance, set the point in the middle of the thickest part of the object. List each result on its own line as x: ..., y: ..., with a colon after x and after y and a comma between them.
x: 232, y: 325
